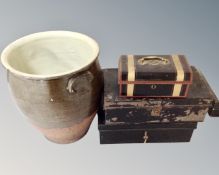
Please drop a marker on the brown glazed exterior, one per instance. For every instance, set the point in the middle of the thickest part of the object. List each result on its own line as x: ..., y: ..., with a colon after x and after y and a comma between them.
x: 61, y: 108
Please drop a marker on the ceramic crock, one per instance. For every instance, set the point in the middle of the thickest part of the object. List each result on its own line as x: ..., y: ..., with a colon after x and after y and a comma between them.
x: 56, y: 80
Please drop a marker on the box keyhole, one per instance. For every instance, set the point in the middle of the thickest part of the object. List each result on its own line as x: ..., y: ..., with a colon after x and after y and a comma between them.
x: 153, y: 86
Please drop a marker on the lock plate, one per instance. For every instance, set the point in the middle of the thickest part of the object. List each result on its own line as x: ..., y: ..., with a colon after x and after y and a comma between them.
x: 156, y: 111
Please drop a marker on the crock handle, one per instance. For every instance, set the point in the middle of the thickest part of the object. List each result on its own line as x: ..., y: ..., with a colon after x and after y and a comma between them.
x: 86, y: 76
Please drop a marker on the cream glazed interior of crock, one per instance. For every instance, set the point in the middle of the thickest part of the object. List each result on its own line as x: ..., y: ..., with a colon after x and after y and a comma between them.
x: 50, y: 53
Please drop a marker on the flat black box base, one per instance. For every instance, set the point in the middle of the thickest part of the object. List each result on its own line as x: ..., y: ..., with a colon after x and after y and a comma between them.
x: 145, y: 133
x: 149, y: 136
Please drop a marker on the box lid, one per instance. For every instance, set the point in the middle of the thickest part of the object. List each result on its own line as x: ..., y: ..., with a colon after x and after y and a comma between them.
x: 154, y: 69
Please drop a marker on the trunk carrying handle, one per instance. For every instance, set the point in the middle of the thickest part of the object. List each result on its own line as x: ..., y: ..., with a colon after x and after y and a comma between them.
x: 153, y: 60
x: 214, y: 110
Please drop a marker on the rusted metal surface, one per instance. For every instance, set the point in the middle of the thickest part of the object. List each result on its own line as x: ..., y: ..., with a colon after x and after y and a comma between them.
x: 155, y: 114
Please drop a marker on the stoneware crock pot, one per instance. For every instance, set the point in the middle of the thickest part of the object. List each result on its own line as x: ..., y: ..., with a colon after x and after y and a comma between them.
x: 56, y: 80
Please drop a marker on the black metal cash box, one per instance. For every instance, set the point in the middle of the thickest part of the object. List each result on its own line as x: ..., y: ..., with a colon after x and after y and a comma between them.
x: 145, y: 133
x: 139, y: 120
x: 154, y: 76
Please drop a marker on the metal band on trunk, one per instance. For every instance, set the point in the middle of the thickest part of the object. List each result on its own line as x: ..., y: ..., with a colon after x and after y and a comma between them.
x: 180, y: 75
x: 131, y: 75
